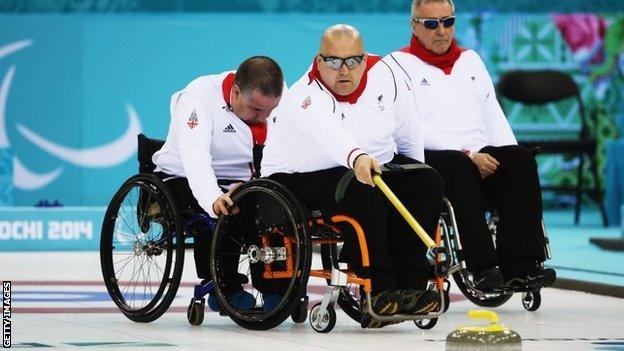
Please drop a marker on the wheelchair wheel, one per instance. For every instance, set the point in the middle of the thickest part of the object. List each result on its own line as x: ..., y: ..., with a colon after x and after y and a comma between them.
x: 266, y: 241
x: 322, y: 321
x: 489, y: 299
x: 195, y: 311
x: 531, y: 300
x: 142, y: 248
x: 447, y: 294
x: 300, y: 313
x: 426, y: 324
x: 349, y: 297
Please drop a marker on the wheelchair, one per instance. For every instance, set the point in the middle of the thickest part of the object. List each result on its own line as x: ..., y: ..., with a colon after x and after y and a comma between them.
x: 264, y: 247
x: 142, y: 242
x: 531, y: 296
x: 271, y: 236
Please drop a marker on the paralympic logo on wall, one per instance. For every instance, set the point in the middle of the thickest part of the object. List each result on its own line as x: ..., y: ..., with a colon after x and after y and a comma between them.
x: 103, y: 156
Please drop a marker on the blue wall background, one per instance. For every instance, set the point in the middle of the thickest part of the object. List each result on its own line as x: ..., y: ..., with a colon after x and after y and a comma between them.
x: 26, y: 6
x: 72, y: 73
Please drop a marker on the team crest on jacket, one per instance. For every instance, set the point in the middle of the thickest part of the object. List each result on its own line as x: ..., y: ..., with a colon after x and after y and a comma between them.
x: 192, y: 121
x: 306, y: 103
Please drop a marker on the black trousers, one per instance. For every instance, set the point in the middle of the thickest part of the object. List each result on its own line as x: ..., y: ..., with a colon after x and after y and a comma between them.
x: 513, y: 191
x: 202, y: 238
x: 396, y: 254
x: 186, y: 205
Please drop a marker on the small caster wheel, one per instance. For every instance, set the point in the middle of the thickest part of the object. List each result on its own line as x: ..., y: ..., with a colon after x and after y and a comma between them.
x: 531, y: 300
x: 300, y: 313
x: 195, y: 311
x: 426, y: 323
x: 447, y: 294
x: 322, y: 321
x: 447, y: 301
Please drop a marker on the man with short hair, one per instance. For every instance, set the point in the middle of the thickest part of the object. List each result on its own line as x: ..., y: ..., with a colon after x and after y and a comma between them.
x: 216, y: 123
x: 469, y: 141
x: 348, y: 112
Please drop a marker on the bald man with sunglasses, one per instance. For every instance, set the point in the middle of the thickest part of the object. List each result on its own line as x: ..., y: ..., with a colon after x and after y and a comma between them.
x: 336, y: 126
x: 469, y: 141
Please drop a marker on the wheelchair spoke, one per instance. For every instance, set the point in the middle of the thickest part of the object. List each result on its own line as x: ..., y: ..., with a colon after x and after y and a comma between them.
x: 120, y: 270
x: 134, y: 273
x: 244, y: 227
x: 128, y: 225
x: 129, y: 257
x: 162, y: 275
x: 126, y: 286
x: 145, y: 279
x: 142, y: 273
x: 132, y: 278
x: 161, y: 241
x: 129, y: 204
x: 126, y: 222
x: 123, y: 236
x: 133, y: 205
x: 123, y: 241
x: 235, y: 241
x: 117, y: 229
x: 138, y: 276
x: 150, y: 280
x: 229, y: 253
x: 230, y: 267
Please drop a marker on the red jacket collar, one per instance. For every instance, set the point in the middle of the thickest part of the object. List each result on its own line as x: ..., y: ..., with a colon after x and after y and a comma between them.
x: 355, y: 95
x: 226, y: 87
x: 445, y: 62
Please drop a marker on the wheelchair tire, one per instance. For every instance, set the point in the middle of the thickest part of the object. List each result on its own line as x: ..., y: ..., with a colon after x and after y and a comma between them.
x: 426, y: 324
x: 494, y: 299
x: 447, y: 300
x: 265, y: 240
x: 348, y: 300
x: 300, y: 313
x: 322, y: 323
x: 195, y: 311
x: 531, y: 300
x: 142, y: 248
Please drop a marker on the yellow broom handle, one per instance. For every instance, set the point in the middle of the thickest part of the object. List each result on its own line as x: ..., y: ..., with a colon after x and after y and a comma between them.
x: 403, y: 211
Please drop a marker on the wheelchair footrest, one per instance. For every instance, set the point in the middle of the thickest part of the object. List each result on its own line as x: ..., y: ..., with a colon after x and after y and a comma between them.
x: 202, y: 290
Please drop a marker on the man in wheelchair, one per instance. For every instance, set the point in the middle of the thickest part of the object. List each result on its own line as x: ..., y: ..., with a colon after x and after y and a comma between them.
x: 469, y: 141
x: 217, y: 129
x: 336, y: 124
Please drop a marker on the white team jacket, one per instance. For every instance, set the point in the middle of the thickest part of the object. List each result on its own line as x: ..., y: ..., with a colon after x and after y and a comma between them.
x: 312, y: 131
x: 458, y: 111
x: 206, y: 140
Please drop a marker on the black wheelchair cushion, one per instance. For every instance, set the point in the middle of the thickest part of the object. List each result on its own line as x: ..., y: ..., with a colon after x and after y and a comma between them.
x: 146, y: 149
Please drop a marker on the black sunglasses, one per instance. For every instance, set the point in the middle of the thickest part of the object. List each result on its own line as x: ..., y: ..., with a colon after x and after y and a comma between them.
x: 336, y: 63
x: 433, y: 23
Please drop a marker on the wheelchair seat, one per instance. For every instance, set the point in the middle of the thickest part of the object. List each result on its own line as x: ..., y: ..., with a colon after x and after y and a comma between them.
x: 147, y: 147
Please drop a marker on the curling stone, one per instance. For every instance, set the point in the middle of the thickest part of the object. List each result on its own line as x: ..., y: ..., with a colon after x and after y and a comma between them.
x: 490, y: 337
